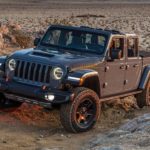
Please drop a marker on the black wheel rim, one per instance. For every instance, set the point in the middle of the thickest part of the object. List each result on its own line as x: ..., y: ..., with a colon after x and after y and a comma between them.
x: 86, y: 112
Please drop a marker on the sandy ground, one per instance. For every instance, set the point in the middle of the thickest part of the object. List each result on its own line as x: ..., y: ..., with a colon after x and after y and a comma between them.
x: 30, y: 127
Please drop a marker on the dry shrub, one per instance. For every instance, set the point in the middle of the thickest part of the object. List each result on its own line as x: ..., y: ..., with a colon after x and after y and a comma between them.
x: 3, y: 30
x: 1, y: 41
x: 90, y: 16
x: 11, y: 35
x: 21, y: 39
x: 127, y: 103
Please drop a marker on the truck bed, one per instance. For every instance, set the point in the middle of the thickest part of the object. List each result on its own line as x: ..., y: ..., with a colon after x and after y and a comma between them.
x: 145, y: 53
x: 146, y: 57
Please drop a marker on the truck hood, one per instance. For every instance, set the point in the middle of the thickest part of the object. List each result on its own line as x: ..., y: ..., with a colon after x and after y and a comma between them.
x: 56, y: 58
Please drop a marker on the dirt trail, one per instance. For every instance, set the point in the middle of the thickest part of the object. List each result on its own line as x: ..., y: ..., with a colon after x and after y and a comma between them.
x: 31, y: 127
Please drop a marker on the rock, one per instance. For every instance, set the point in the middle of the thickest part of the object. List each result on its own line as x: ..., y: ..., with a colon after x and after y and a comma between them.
x: 68, y: 136
x: 116, y: 147
x: 138, y: 124
x: 44, y: 148
x: 41, y: 136
x: 117, y: 133
x: 62, y: 135
x: 5, y: 142
x: 145, y: 142
x: 132, y: 135
x: 38, y: 139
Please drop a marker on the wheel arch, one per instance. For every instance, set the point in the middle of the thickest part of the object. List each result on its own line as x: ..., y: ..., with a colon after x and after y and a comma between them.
x: 92, y: 83
x: 85, y: 78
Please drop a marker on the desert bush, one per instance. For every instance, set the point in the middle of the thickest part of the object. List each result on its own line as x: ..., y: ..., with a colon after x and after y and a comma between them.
x: 12, y: 35
x: 90, y: 16
x: 1, y: 41
x: 21, y: 39
x: 127, y: 103
x: 3, y: 30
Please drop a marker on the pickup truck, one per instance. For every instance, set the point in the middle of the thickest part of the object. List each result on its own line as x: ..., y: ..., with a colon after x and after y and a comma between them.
x: 76, y: 69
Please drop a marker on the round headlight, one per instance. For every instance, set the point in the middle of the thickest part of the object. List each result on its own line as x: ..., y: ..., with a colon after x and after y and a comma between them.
x: 12, y: 64
x: 57, y: 73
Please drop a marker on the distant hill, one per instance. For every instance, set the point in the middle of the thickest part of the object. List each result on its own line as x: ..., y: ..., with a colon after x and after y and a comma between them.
x: 36, y: 5
x: 73, y: 1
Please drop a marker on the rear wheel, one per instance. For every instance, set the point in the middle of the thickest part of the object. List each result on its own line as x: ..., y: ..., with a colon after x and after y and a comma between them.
x: 143, y: 99
x: 81, y: 114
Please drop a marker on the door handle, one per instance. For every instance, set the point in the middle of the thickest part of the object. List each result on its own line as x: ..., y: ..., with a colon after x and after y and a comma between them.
x: 127, y: 66
x: 135, y: 65
x: 123, y: 67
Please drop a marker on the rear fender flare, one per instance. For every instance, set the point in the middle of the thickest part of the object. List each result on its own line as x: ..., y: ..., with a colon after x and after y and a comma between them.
x: 145, y: 77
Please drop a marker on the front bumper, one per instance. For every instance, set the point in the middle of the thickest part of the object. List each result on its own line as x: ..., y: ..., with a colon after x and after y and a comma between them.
x: 33, y: 94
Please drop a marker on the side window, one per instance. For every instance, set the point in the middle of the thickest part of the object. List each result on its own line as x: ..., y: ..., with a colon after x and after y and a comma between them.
x: 132, y: 48
x: 88, y: 38
x: 101, y: 40
x: 69, y: 38
x: 117, y: 48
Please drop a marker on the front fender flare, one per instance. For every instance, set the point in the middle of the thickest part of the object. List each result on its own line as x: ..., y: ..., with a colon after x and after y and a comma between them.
x: 2, y: 62
x: 77, y: 78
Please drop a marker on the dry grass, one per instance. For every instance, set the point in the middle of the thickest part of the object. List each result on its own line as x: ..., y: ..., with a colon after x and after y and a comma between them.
x: 11, y: 35
x: 21, y: 39
x: 127, y: 103
x: 90, y: 16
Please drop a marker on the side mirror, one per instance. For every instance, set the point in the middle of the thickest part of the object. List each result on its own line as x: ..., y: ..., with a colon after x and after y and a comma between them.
x: 116, y: 54
x: 36, y: 41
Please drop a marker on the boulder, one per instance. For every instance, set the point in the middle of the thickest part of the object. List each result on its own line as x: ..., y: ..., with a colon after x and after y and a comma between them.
x: 134, y: 135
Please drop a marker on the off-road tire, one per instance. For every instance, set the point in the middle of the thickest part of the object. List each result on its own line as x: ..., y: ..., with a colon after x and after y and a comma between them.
x: 6, y: 103
x: 143, y: 99
x: 15, y: 103
x: 68, y: 111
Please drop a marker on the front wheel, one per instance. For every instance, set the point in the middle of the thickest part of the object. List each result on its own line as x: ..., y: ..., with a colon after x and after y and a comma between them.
x: 15, y: 103
x: 81, y: 114
x: 143, y: 99
x: 7, y: 103
x: 3, y: 101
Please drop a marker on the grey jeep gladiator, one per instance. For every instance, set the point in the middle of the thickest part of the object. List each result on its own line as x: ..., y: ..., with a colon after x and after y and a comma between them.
x: 75, y: 69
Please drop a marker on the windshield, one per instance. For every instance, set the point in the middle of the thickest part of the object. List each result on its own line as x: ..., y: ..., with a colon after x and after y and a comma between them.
x: 75, y: 40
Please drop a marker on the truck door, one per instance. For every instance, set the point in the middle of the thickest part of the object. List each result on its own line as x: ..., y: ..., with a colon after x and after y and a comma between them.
x: 115, y: 67
x: 133, y: 63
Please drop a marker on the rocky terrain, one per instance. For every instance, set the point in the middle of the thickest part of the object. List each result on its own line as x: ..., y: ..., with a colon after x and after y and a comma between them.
x: 132, y: 135
x: 122, y: 125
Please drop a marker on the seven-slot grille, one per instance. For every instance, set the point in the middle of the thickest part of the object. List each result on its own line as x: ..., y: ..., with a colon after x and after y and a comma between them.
x: 32, y: 71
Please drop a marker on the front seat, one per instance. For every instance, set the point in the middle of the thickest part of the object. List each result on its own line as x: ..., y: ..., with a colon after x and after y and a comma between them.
x: 77, y: 42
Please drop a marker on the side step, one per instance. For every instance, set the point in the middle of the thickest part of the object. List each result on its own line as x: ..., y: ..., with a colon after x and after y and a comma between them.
x: 120, y: 96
